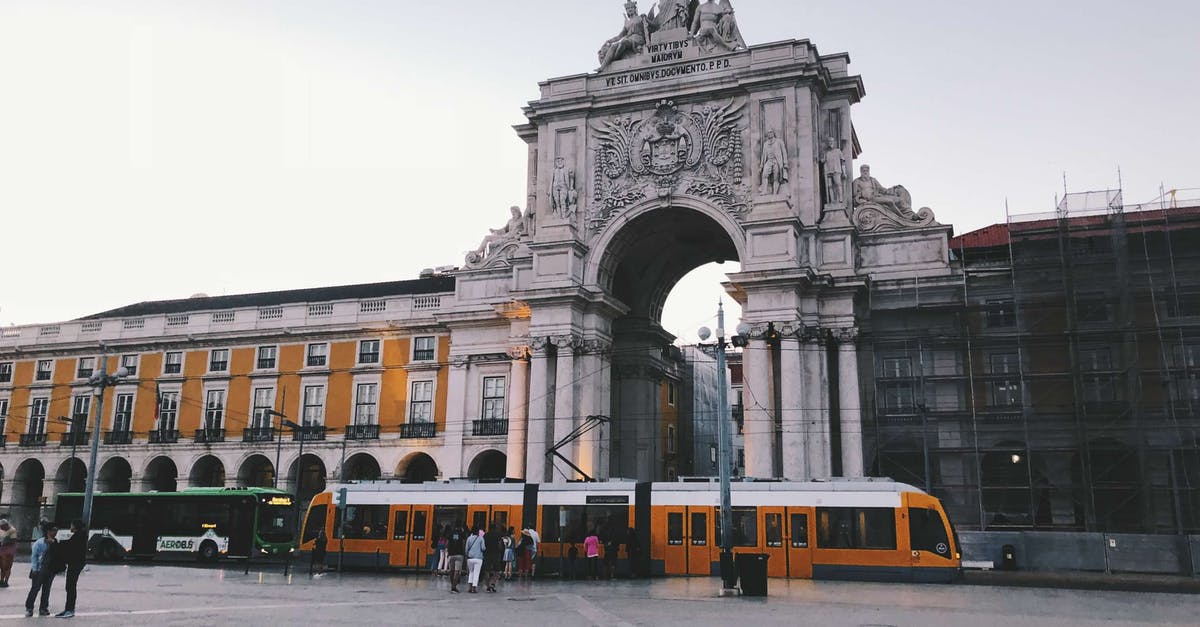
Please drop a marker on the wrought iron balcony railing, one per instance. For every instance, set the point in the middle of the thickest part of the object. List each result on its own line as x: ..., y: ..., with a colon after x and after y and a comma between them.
x: 164, y: 436
x: 489, y: 427
x: 362, y: 432
x: 209, y: 436
x: 414, y: 430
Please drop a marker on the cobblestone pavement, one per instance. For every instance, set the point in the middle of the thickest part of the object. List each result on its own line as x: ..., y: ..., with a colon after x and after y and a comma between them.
x: 180, y: 595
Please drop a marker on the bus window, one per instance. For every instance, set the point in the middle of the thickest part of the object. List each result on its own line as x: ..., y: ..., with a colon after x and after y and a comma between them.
x: 675, y: 528
x: 277, y: 522
x: 856, y: 528
x: 800, y: 531
x: 774, y: 529
x: 315, y: 522
x: 418, y: 528
x: 927, y: 532
x: 400, y: 527
x: 699, y: 529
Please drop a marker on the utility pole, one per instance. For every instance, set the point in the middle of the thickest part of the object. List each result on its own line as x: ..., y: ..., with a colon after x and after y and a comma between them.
x: 100, y: 381
x: 724, y: 452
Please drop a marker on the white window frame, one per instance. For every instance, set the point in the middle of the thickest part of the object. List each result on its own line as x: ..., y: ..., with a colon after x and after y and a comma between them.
x: 37, y: 371
x: 219, y: 411
x: 117, y: 410
x: 211, y: 361
x: 259, y: 418
x: 168, y: 405
x: 6, y: 369
x: 39, y: 410
x: 408, y: 406
x: 130, y: 362
x: 378, y: 352
x: 167, y: 362
x: 258, y: 357
x: 502, y: 414
x: 79, y: 375
x: 80, y: 415
x: 672, y: 393
x: 413, y: 353
x: 371, y: 407
x: 308, y: 355
x: 4, y: 403
x: 307, y: 408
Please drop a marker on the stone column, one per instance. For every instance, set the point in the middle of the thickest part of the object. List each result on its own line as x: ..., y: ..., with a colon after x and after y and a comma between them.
x: 456, y: 417
x: 759, y: 430
x: 815, y: 407
x: 565, y: 419
x: 850, y: 404
x: 795, y: 442
x: 537, y: 423
x: 595, y: 399
x: 518, y: 412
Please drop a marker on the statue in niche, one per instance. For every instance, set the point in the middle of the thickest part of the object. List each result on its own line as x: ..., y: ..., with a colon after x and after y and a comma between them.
x: 774, y: 165
x: 630, y: 41
x: 564, y: 200
x: 715, y: 28
x: 671, y: 14
x: 834, y: 160
x: 512, y: 231
x: 878, y: 208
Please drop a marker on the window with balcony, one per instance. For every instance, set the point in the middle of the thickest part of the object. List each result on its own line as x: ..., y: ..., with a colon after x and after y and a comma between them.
x: 424, y: 348
x: 420, y: 404
x: 85, y: 367
x: 898, y: 388
x: 214, y: 409
x: 266, y: 357
x: 122, y: 422
x: 368, y: 352
x: 6, y: 370
x: 39, y: 408
x: 317, y: 356
x: 45, y: 370
x: 81, y: 408
x: 1006, y: 388
x: 218, y: 360
x: 494, y: 407
x: 173, y: 363
x: 3, y: 410
x: 366, y: 403
x: 313, y: 410
x: 130, y: 364
x: 264, y: 402
x: 168, y: 412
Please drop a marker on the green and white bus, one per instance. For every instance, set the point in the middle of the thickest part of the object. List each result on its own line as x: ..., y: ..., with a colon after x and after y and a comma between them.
x: 205, y: 523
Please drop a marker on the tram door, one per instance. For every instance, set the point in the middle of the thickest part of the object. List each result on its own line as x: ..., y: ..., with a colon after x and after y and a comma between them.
x: 418, y: 536
x: 400, y: 534
x: 676, y: 550
x: 773, y: 544
x: 699, y: 542
x: 798, y: 547
x: 478, y: 517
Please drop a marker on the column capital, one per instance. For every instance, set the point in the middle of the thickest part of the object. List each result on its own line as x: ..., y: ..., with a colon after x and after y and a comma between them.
x: 594, y: 346
x: 567, y: 341
x: 539, y: 344
x: 460, y: 361
x: 847, y: 336
x: 518, y: 353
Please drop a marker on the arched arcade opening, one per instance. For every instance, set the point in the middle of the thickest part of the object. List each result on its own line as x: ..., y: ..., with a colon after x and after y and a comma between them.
x: 256, y: 472
x: 115, y: 476
x: 417, y: 467
x: 207, y: 472
x: 489, y: 465
x: 161, y: 475
x: 362, y: 467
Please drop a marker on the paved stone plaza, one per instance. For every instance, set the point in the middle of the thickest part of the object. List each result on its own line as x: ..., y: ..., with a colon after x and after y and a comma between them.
x: 142, y: 594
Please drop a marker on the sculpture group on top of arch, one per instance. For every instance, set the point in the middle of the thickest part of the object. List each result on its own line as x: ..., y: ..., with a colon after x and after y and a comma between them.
x: 711, y: 25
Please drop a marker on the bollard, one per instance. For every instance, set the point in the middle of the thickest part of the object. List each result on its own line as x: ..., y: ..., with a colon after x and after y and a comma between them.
x: 376, y: 560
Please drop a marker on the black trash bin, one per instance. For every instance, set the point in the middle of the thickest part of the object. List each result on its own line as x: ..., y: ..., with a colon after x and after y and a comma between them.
x: 1008, y: 557
x: 752, y: 571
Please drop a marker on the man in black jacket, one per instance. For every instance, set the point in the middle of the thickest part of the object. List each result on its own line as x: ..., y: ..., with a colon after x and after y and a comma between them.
x: 72, y: 552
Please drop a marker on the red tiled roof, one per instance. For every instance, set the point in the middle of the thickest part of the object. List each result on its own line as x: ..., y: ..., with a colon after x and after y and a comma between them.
x: 1156, y: 220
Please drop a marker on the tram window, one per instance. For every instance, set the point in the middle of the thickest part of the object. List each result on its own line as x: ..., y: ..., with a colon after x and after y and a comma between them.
x: 850, y: 528
x: 400, y: 528
x: 745, y: 526
x: 448, y: 515
x: 479, y: 521
x: 418, y: 528
x: 699, y: 529
x: 315, y: 523
x: 927, y: 532
x: 774, y: 529
x: 800, y: 531
x: 500, y: 518
x: 674, y: 528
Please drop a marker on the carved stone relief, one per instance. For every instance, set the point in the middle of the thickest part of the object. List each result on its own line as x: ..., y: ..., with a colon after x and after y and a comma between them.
x: 879, y: 208
x: 697, y: 152
x: 499, y: 246
x: 715, y: 27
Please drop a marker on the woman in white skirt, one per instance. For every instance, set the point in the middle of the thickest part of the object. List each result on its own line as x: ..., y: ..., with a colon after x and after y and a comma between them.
x: 474, y: 559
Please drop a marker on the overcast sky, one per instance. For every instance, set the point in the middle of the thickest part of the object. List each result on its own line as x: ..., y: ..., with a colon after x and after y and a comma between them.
x: 152, y: 150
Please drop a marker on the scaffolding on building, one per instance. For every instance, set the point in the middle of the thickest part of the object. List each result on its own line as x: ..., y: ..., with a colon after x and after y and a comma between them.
x: 1054, y: 383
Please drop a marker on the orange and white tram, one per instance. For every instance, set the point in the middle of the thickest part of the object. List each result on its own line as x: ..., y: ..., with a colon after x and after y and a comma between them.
x: 868, y: 529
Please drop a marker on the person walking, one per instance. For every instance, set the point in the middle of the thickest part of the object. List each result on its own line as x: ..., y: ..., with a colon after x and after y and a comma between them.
x: 475, y: 552
x: 535, y: 542
x: 510, y: 554
x: 72, y: 553
x: 456, y: 551
x: 42, y: 570
x: 8, y: 550
x: 591, y: 547
x: 320, y: 547
x: 439, y: 552
x: 493, y: 555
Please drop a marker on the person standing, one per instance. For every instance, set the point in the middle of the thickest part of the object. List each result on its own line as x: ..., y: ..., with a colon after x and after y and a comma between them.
x: 612, y: 549
x: 73, y: 553
x: 42, y: 570
x: 439, y: 552
x: 493, y: 555
x: 591, y: 548
x: 510, y: 554
x: 8, y: 550
x: 536, y: 542
x: 475, y: 551
x: 320, y: 547
x: 456, y: 551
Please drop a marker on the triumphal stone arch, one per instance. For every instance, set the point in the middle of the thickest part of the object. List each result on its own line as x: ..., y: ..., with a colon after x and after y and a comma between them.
x: 686, y: 147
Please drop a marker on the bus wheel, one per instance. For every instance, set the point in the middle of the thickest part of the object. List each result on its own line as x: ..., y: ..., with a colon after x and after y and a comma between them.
x: 109, y: 551
x: 208, y: 551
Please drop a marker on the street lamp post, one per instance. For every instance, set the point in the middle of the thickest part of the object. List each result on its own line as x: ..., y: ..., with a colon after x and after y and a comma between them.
x: 99, y: 381
x: 278, y: 444
x: 301, y: 432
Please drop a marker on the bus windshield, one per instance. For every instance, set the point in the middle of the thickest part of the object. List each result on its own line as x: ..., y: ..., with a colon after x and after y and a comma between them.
x: 276, y: 519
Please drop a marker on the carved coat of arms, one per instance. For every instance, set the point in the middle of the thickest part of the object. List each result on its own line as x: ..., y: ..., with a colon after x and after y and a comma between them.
x: 671, y: 152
